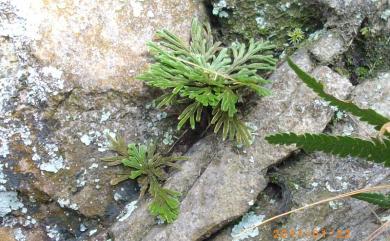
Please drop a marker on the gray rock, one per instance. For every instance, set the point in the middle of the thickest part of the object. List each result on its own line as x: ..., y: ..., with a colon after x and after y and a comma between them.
x: 66, y: 81
x: 234, y: 177
x: 318, y: 176
x: 328, y: 47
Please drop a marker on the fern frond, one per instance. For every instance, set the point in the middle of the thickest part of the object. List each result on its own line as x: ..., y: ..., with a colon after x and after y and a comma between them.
x: 367, y: 115
x: 343, y: 146
x: 379, y: 199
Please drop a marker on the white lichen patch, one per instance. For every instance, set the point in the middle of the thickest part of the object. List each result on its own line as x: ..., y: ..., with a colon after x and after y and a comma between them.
x: 330, y: 188
x: 9, y: 202
x: 92, y: 232
x: 168, y: 137
x: 93, y: 166
x: 19, y: 235
x: 335, y: 204
x: 80, y: 182
x: 117, y: 196
x: 386, y: 14
x: 105, y: 116
x: 10, y: 131
x: 247, y: 228
x: 54, y: 162
x: 4, y: 149
x: 137, y: 8
x: 103, y: 145
x: 83, y: 228
x: 50, y: 71
x: 161, y: 115
x: 218, y: 9
x: 3, y: 179
x: 86, y: 139
x: 128, y: 210
x: 100, y: 138
x: 53, y: 233
x: 66, y: 203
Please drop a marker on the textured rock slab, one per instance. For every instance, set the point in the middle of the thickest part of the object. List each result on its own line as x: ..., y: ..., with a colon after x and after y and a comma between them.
x: 231, y: 182
x: 328, y: 47
x: 140, y: 221
x: 67, y: 81
x: 320, y: 176
x: 101, y: 44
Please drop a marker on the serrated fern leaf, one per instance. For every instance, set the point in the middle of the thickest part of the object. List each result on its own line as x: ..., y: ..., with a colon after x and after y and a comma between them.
x: 379, y: 199
x: 343, y: 146
x: 367, y: 115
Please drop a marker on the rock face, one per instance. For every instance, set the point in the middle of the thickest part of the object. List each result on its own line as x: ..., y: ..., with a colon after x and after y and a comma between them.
x: 67, y: 73
x: 231, y: 182
x: 101, y: 44
x: 317, y: 176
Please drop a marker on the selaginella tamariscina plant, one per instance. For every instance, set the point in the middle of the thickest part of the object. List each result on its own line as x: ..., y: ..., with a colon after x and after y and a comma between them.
x: 146, y: 165
x: 205, y: 77
x: 377, y: 149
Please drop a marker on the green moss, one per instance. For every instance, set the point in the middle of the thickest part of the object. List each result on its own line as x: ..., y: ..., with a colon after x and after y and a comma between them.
x: 271, y: 20
x: 368, y: 54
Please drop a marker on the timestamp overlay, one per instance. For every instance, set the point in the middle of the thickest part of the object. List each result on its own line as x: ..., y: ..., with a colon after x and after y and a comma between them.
x: 314, y: 233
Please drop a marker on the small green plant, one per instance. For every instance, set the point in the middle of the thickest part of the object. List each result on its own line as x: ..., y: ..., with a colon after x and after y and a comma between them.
x: 148, y: 167
x: 365, y: 31
x: 206, y: 77
x: 296, y: 36
x: 377, y: 149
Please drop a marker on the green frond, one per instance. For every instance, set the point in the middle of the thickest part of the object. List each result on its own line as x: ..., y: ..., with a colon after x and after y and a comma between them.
x: 367, y: 115
x: 379, y: 199
x: 343, y: 146
x: 207, y: 75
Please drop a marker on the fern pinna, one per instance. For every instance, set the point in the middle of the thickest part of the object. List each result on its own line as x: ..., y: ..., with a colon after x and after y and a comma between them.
x: 377, y: 149
x: 204, y: 75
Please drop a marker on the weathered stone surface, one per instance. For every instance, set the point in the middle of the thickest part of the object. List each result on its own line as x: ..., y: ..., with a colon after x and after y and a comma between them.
x: 101, y: 44
x: 375, y: 94
x: 67, y: 73
x: 318, y: 176
x: 140, y: 221
x: 230, y: 183
x: 329, y: 46
x: 20, y: 234
x: 67, y: 79
x: 6, y: 234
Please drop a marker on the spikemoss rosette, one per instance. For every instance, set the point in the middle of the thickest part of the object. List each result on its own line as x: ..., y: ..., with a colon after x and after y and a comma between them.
x: 207, y: 77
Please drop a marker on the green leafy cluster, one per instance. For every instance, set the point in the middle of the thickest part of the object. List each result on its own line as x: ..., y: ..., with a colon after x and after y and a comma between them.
x: 148, y: 167
x: 376, y: 150
x: 203, y: 76
x: 296, y: 36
